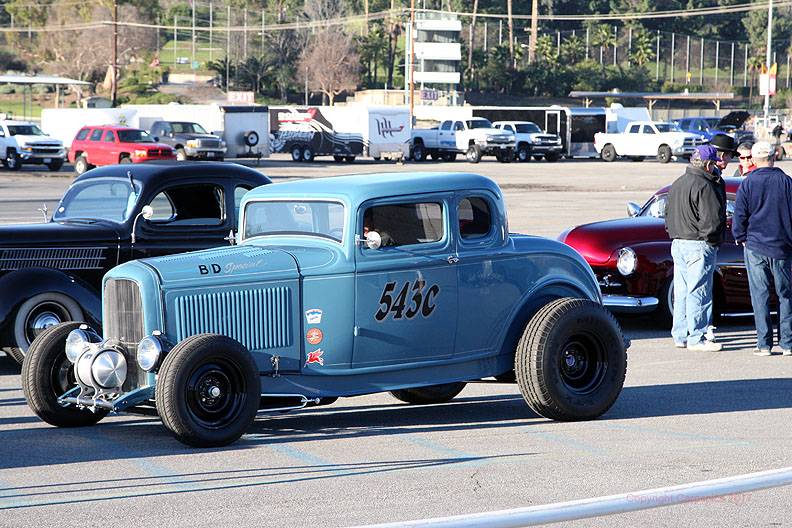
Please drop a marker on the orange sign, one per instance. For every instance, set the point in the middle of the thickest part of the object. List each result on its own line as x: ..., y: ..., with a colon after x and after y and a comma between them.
x: 314, y: 336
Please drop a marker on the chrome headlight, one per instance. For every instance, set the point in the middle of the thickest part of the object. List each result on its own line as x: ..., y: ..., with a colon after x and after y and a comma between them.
x: 149, y: 351
x: 78, y: 341
x: 627, y: 261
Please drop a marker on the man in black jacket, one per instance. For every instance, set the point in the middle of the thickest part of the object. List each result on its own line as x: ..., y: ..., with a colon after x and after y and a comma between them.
x: 762, y: 223
x: 695, y: 219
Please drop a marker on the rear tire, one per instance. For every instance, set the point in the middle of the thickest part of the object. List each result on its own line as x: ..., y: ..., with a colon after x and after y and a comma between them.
x: 47, y: 374
x: 419, y: 152
x: 208, y: 390
x: 608, y: 153
x: 448, y: 156
x: 427, y: 395
x: 571, y: 360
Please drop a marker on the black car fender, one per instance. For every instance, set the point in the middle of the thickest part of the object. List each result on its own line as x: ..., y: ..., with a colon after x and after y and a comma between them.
x: 18, y: 286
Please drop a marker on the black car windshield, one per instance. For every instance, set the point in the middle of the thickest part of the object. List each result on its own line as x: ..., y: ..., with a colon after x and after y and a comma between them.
x: 24, y: 130
x: 478, y: 123
x: 134, y: 136
x: 528, y: 128
x: 295, y: 218
x: 98, y: 199
x: 187, y: 128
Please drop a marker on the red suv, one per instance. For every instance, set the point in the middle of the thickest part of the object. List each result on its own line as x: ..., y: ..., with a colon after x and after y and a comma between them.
x: 110, y: 144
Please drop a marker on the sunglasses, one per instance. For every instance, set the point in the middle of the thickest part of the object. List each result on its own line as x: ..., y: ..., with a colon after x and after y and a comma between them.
x: 746, y: 157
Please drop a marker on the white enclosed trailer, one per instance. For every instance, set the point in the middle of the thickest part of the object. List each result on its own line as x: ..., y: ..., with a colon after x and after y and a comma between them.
x: 64, y: 123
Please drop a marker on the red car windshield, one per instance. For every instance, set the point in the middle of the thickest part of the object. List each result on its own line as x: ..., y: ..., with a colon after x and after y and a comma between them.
x: 134, y: 136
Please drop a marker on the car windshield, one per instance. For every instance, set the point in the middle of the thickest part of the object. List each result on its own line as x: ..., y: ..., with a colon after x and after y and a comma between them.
x: 668, y: 127
x: 478, y: 123
x: 187, y: 128
x: 25, y: 130
x: 299, y: 217
x: 712, y: 122
x: 528, y: 128
x: 134, y: 136
x: 656, y: 206
x: 97, y: 199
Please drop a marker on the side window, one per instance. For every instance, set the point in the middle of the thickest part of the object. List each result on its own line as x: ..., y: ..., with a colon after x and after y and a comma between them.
x: 239, y: 192
x: 509, y: 128
x: 647, y: 129
x: 405, y: 224
x: 189, y: 205
x: 96, y: 134
x: 82, y: 134
x: 475, y: 219
x: 633, y: 129
x: 459, y: 126
x: 446, y: 125
x: 2, y: 132
x: 109, y: 137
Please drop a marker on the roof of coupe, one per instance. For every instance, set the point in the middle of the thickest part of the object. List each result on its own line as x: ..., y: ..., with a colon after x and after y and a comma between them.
x: 359, y: 188
x: 147, y: 172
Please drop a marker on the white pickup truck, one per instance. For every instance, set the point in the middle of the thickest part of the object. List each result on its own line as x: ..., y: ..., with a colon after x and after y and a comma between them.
x: 473, y: 137
x: 642, y: 139
x: 22, y: 142
x: 532, y: 141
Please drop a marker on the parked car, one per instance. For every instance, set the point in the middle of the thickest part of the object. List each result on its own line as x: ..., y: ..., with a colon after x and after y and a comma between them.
x: 732, y: 124
x: 52, y: 272
x: 646, y: 138
x: 532, y: 141
x: 94, y: 146
x: 474, y: 138
x: 189, y: 140
x: 23, y: 143
x: 408, y: 283
x: 631, y: 258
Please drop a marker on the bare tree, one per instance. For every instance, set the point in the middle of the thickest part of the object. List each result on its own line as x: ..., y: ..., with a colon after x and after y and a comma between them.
x: 330, y: 63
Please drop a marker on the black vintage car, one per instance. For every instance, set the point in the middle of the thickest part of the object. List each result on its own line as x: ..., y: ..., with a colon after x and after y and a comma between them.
x: 52, y: 272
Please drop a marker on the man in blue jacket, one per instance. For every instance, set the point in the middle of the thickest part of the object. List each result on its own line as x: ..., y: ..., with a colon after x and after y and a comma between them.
x: 762, y: 224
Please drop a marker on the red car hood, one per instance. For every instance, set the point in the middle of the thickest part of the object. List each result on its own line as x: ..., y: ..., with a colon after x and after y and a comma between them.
x: 599, y: 240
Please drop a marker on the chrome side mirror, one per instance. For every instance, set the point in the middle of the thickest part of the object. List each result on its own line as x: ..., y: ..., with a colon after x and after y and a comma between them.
x: 633, y: 209
x: 147, y: 212
x: 372, y: 240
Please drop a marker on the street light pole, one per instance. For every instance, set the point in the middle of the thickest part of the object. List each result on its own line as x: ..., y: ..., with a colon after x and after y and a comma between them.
x: 768, y: 59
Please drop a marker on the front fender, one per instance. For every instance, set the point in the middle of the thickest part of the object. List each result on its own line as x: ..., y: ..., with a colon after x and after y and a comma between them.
x: 18, y: 286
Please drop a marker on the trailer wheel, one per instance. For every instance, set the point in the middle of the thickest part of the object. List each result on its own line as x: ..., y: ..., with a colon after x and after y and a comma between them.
x: 251, y: 138
x: 608, y: 153
x: 297, y: 153
x: 307, y: 153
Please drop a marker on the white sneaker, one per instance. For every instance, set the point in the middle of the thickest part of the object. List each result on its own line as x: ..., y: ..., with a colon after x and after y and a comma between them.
x: 705, y: 346
x: 786, y: 352
x: 680, y: 345
x: 763, y: 352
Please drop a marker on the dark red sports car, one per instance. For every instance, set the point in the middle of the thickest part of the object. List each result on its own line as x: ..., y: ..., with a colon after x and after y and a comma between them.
x: 632, y: 260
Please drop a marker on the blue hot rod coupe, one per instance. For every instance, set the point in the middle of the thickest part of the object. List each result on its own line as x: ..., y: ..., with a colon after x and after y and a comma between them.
x: 408, y: 283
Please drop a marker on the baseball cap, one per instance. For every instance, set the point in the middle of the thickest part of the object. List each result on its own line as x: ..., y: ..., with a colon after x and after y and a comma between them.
x: 705, y: 153
x: 762, y: 150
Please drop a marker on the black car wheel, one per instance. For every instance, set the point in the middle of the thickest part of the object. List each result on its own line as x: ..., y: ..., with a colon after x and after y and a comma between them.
x: 208, y: 390
x: 81, y: 165
x: 181, y: 155
x: 339, y: 159
x: 505, y: 156
x: 432, y: 394
x: 350, y: 159
x: 13, y: 161
x: 40, y: 312
x: 571, y: 360
x: 48, y: 374
x: 449, y: 156
x: 473, y: 154
x: 55, y: 165
x: 664, y: 154
x: 419, y: 152
x: 523, y: 153
x: 296, y: 153
x: 608, y: 153
x: 552, y: 157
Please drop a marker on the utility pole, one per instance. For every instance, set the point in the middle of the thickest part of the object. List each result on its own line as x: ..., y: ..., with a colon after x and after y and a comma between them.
x: 769, y: 58
x: 412, y: 61
x: 535, y: 32
x: 228, y: 47
x: 114, y: 67
x: 193, y: 33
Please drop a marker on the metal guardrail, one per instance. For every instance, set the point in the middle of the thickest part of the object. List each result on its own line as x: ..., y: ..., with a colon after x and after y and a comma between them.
x: 611, y: 504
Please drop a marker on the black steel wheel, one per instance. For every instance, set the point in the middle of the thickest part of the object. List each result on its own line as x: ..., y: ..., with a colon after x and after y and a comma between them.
x: 664, y: 154
x: 431, y: 394
x: 523, y: 153
x: 208, y: 390
x: 48, y: 374
x: 571, y: 360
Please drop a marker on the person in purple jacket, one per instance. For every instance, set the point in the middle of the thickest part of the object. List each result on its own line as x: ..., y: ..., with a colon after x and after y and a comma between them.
x: 762, y: 224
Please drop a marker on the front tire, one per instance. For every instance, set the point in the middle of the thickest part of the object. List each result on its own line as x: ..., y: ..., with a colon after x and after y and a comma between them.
x: 571, y: 360
x: 208, y: 390
x: 427, y: 395
x: 13, y: 161
x: 473, y: 154
x: 523, y: 153
x: 181, y: 155
x: 664, y: 154
x: 55, y: 165
x: 608, y: 153
x: 47, y: 374
x: 81, y: 165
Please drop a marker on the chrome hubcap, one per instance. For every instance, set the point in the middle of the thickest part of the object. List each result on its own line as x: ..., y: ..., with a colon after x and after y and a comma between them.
x: 43, y: 321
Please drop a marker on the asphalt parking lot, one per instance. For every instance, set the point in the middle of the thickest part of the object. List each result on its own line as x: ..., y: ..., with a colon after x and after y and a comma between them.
x: 682, y: 417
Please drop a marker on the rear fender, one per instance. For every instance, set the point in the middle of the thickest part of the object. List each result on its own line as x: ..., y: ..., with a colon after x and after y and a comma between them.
x: 18, y: 286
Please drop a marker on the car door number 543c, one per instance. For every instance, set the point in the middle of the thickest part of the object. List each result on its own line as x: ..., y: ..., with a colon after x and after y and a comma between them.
x: 409, y: 302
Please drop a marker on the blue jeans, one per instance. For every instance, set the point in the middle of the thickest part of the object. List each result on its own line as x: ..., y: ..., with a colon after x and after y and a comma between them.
x: 760, y: 270
x: 694, y: 267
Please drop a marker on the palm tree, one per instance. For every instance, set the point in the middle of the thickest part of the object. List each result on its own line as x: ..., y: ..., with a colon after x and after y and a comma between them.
x: 643, y: 49
x: 573, y: 50
x: 603, y: 37
x: 545, y: 49
x: 755, y: 64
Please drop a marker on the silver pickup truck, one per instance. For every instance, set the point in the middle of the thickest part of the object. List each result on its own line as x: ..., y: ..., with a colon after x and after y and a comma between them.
x: 475, y: 137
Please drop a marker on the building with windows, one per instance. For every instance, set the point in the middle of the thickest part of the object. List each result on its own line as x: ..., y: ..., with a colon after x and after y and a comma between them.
x: 438, y: 55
